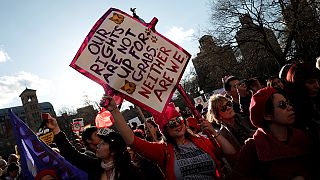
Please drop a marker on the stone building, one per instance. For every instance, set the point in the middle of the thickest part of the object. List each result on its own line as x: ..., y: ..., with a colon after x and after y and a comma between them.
x: 213, y: 62
x: 259, y: 48
x: 29, y: 112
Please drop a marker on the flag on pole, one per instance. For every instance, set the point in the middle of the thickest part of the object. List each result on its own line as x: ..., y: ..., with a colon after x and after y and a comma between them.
x: 36, y: 156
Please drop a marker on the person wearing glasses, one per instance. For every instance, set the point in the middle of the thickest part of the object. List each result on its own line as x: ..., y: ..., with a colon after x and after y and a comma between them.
x: 233, y: 126
x: 236, y: 90
x: 112, y: 162
x: 182, y: 155
x: 276, y: 150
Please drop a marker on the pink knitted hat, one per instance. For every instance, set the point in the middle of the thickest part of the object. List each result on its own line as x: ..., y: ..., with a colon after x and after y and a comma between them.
x: 164, y: 118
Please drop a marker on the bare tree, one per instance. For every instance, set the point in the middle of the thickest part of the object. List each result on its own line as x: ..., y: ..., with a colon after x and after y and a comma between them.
x: 88, y: 102
x: 67, y: 110
x: 190, y: 85
x: 287, y: 19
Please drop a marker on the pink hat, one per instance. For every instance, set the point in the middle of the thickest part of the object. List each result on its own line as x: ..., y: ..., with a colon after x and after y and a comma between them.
x: 164, y: 118
x: 45, y: 172
x: 258, y: 105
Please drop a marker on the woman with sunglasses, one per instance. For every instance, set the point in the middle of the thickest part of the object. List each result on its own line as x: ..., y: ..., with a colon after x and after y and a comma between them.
x: 233, y: 126
x: 276, y: 150
x: 112, y: 162
x: 182, y: 155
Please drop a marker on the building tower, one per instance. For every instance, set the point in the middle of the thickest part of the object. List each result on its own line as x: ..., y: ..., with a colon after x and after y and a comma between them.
x: 213, y: 62
x: 31, y: 107
x: 259, y: 48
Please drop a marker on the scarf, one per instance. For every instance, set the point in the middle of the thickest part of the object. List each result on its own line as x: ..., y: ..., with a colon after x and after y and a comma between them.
x: 109, y: 166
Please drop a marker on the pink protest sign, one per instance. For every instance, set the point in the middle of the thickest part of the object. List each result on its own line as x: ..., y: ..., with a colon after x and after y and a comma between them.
x: 132, y: 58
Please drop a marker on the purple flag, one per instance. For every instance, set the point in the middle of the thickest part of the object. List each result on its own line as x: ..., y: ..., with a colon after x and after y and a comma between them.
x: 36, y: 156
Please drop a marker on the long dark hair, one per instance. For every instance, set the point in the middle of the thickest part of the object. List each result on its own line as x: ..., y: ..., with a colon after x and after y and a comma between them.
x: 172, y: 141
x: 158, y: 133
x: 297, y: 92
x: 124, y: 169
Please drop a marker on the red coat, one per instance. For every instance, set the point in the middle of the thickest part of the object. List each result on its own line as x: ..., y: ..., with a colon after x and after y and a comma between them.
x: 264, y: 157
x: 163, y: 154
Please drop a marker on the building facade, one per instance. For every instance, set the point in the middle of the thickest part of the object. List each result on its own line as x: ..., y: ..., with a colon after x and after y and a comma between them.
x: 259, y: 48
x: 29, y: 112
x: 213, y: 62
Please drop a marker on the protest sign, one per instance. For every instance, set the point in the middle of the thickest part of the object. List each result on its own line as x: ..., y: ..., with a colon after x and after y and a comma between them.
x: 77, y: 124
x: 47, y: 138
x: 132, y: 58
x: 198, y: 100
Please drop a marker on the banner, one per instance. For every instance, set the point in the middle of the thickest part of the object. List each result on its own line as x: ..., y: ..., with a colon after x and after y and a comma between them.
x: 132, y: 58
x: 36, y: 156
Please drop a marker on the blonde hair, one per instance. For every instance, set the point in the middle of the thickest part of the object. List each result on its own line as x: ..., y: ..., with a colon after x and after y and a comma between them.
x: 213, y: 108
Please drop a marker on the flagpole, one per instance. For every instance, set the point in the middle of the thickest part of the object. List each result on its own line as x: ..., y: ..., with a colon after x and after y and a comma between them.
x: 154, y: 139
x: 197, y: 115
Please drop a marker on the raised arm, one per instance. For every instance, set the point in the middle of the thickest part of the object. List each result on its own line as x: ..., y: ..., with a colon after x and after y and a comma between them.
x: 68, y: 151
x: 119, y: 121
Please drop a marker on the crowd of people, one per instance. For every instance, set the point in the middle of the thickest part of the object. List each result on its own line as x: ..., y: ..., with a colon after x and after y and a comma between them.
x: 257, y: 129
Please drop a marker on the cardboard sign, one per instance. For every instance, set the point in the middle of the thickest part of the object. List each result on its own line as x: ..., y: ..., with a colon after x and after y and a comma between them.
x: 77, y: 124
x: 47, y: 138
x: 132, y: 58
x: 198, y: 100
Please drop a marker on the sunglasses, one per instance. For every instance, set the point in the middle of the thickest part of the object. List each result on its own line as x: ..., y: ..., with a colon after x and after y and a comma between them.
x: 225, y: 107
x: 284, y: 104
x: 175, y: 123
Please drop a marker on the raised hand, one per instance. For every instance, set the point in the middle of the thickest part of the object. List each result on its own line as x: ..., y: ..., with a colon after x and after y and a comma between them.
x: 52, y: 124
x: 108, y: 103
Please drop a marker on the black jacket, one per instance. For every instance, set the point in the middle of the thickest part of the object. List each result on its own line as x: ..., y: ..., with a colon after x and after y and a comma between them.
x: 88, y: 164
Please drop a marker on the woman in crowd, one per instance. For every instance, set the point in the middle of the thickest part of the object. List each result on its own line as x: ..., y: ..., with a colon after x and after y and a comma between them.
x: 233, y: 126
x: 153, y: 133
x: 112, y: 162
x: 183, y: 156
x: 149, y: 169
x: 276, y: 83
x: 276, y: 150
x: 12, y: 172
x: 302, y: 88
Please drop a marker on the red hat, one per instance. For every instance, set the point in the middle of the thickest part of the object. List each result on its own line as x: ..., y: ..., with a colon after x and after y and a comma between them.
x: 258, y: 105
x: 45, y: 172
x: 164, y: 118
